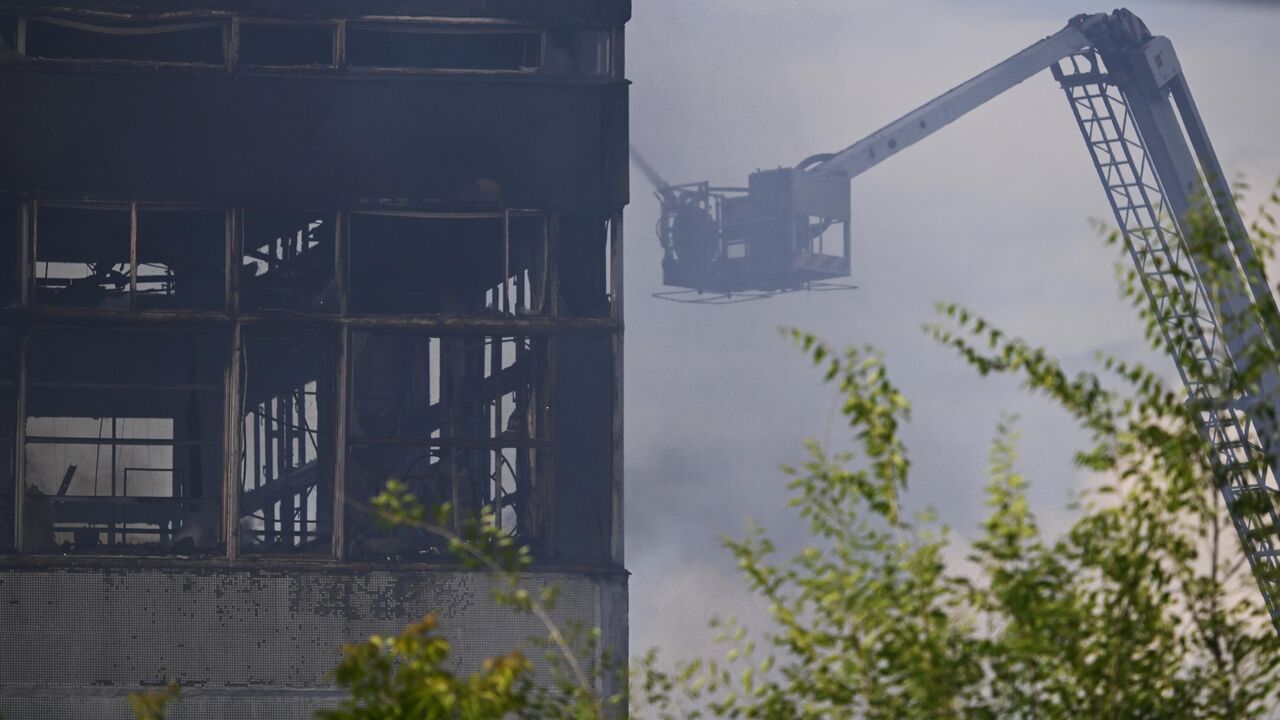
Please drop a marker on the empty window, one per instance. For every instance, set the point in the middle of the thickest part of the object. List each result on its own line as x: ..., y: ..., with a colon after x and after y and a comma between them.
x: 8, y: 35
x: 286, y: 475
x: 579, y: 52
x: 437, y: 48
x: 583, y: 264
x: 123, y: 438
x: 524, y: 292
x: 447, y: 264
x: 288, y: 261
x: 286, y: 44
x: 84, y: 257
x: 583, y: 386
x: 136, y: 40
x: 460, y: 419
x: 181, y: 255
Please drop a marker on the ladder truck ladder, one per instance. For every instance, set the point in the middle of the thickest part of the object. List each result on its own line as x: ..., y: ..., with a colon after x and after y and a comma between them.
x: 1190, y: 315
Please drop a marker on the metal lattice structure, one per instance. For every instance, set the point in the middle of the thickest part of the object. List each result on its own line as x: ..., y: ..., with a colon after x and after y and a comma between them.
x: 1207, y: 357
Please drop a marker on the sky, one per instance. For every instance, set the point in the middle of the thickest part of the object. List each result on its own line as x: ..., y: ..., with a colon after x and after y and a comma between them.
x: 993, y: 212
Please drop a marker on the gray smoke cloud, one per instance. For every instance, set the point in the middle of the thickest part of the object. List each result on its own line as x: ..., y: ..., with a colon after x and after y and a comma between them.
x: 993, y: 212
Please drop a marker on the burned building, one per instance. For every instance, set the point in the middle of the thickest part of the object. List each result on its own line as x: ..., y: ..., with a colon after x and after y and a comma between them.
x: 260, y: 257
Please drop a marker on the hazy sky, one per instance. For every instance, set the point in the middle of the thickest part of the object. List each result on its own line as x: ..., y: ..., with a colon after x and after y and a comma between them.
x: 992, y: 212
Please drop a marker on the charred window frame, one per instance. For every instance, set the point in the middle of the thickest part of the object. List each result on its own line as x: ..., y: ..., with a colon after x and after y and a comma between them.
x: 263, y: 43
x: 587, y: 257
x: 12, y: 231
x: 462, y: 264
x: 582, y: 51
x: 287, y: 454
x: 8, y: 36
x: 288, y: 260
x: 128, y: 255
x: 269, y: 43
x: 461, y: 419
x: 122, y: 440
x: 418, y: 46
x: 122, y: 39
x: 452, y: 393
x: 584, y: 495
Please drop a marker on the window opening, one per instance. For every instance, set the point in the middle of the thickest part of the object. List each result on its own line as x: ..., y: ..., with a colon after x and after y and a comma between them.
x: 180, y: 255
x: 419, y: 264
x: 288, y: 261
x: 8, y: 36
x: 82, y: 256
x: 524, y: 292
x: 10, y: 249
x: 282, y: 44
x: 200, y: 42
x: 85, y: 257
x: 579, y: 52
x: 286, y: 474
x: 584, y: 266
x: 436, y: 48
x: 583, y: 430
x: 457, y: 418
x: 123, y: 441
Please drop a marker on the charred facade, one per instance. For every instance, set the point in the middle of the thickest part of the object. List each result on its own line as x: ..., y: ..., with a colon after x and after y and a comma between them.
x: 261, y: 258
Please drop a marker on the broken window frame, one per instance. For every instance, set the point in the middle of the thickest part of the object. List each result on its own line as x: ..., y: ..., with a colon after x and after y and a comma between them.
x: 573, y: 303
x: 527, y: 516
x: 549, y: 326
x: 282, y: 429
x: 435, y: 27
x: 513, y: 297
x: 330, y: 300
x: 32, y: 245
x: 124, y: 506
x: 13, y: 234
x: 559, y: 56
x: 145, y: 25
x: 336, y: 28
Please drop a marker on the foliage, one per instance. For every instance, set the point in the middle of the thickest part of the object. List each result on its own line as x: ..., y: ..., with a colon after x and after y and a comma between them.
x: 408, y: 677
x: 1137, y: 611
x: 1140, y: 609
x: 151, y: 705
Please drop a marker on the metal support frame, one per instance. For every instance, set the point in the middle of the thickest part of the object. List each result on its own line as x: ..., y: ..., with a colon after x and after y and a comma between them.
x: 232, y: 441
x: 19, y: 445
x: 342, y: 388
x: 1151, y: 182
x: 618, y: 550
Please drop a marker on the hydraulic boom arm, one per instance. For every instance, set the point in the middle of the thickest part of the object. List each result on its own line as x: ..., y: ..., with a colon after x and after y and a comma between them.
x: 951, y: 105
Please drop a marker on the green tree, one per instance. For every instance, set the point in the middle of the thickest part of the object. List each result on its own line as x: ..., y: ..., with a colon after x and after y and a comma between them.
x: 408, y: 677
x: 1143, y: 608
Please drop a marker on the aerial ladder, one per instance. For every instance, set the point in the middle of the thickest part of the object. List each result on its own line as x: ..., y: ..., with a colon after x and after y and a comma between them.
x: 1160, y: 174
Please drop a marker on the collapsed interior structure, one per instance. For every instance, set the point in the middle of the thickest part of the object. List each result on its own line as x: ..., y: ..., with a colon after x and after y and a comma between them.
x: 261, y: 258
